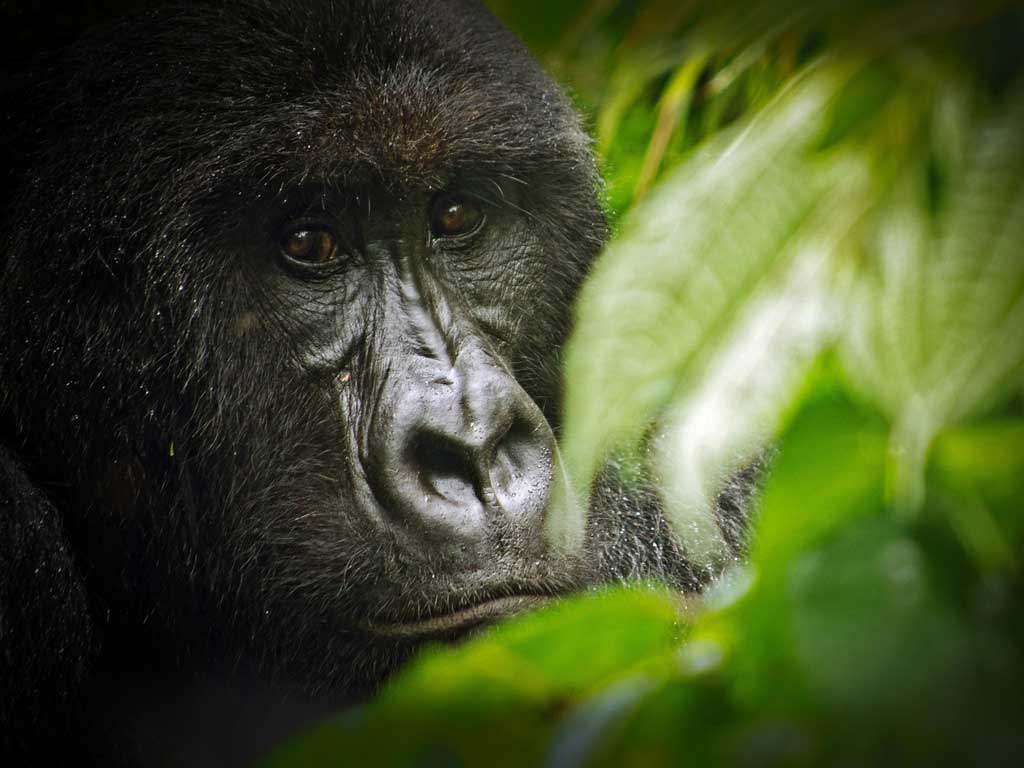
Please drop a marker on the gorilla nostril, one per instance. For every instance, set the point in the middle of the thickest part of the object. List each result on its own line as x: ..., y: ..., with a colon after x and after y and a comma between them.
x: 444, y: 471
x: 519, y: 467
x: 509, y: 450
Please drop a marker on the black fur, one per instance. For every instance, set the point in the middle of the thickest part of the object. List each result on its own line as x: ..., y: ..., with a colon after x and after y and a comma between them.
x: 182, y: 446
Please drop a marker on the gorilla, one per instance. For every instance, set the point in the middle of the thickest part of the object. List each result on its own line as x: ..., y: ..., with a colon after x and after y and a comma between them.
x: 284, y: 288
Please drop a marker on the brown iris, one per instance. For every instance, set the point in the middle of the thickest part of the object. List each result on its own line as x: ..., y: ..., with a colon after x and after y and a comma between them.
x: 454, y: 215
x: 315, y: 246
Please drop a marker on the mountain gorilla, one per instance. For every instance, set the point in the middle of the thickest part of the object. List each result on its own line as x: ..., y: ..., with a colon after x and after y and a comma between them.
x: 284, y: 286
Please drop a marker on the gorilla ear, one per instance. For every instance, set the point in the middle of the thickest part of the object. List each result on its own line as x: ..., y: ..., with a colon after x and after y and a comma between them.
x: 46, y: 632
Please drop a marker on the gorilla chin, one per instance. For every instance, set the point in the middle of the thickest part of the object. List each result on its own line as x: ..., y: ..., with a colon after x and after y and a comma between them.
x: 284, y: 289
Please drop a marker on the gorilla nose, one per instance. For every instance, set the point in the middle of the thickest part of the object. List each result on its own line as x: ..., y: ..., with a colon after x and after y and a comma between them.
x: 464, y: 455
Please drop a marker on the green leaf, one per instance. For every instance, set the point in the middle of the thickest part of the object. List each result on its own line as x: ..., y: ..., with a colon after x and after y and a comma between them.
x: 732, y: 255
x: 568, y: 648
x: 977, y: 476
x: 682, y: 263
x: 751, y: 380
x: 494, y: 700
x: 829, y: 470
x: 673, y: 723
x: 936, y: 337
x: 585, y: 729
x: 538, y: 22
x: 828, y: 474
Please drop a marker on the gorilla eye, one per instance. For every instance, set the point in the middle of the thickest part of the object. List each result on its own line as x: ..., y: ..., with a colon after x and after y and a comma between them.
x: 454, y: 215
x: 315, y: 246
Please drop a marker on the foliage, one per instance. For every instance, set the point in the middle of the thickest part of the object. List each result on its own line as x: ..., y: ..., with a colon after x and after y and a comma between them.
x: 820, y: 245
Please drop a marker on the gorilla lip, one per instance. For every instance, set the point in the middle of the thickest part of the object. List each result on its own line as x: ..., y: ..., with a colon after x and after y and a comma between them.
x: 487, y: 611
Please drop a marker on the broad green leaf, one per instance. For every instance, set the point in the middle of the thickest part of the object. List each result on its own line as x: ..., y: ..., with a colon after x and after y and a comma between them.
x: 673, y: 723
x: 754, y: 376
x: 975, y: 294
x: 582, y: 733
x: 494, y: 700
x: 569, y: 648
x: 828, y: 474
x: 937, y: 335
x: 829, y: 470
x: 671, y: 288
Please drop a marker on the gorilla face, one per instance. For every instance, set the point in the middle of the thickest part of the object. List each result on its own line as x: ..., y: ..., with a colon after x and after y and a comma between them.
x: 285, y: 287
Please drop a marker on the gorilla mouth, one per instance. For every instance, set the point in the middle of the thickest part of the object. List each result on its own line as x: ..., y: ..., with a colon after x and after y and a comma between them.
x: 463, y: 619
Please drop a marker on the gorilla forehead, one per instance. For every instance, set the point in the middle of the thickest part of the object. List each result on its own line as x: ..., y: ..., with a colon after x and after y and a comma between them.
x: 352, y: 91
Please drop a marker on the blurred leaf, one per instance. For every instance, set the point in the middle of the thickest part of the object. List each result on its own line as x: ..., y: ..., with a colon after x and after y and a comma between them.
x: 862, y: 603
x: 624, y: 160
x: 495, y: 700
x: 975, y: 294
x: 937, y: 333
x: 754, y: 377
x: 585, y: 728
x: 669, y: 726
x: 661, y: 288
x: 830, y: 469
x: 630, y: 79
x: 540, y: 23
x: 828, y: 473
x: 672, y: 110
x: 740, y: 679
x: 978, y: 472
x: 585, y: 642
x: 740, y: 239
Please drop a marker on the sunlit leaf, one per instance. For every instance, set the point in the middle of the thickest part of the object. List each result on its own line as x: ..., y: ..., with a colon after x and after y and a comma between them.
x: 688, y: 261
x: 754, y: 377
x: 938, y: 333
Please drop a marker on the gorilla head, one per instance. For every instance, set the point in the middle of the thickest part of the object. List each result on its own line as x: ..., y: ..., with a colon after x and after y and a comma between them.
x: 284, y: 289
